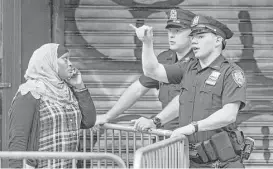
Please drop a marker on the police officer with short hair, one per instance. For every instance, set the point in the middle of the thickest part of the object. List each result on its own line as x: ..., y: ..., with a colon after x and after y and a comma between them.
x: 178, y: 27
x: 213, y: 90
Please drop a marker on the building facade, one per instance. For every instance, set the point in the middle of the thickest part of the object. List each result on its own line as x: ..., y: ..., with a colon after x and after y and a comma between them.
x: 108, y: 53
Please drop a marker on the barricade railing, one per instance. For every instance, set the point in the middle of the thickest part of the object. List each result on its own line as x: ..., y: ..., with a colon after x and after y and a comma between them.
x: 74, y: 156
x: 169, y: 153
x: 120, y: 139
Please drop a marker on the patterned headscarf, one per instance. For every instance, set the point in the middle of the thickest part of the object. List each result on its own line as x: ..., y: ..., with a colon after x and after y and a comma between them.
x: 42, y: 76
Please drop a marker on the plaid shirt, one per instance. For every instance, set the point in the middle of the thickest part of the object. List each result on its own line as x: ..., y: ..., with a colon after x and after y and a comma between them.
x: 59, y: 131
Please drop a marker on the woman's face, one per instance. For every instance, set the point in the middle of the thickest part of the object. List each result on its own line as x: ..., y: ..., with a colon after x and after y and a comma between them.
x: 65, y: 69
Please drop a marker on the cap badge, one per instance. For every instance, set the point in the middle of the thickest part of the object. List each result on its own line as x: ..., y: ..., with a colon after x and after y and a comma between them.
x: 173, y: 16
x: 195, y: 21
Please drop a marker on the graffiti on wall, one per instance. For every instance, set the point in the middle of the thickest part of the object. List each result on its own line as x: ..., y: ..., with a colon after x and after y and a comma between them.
x: 140, y: 10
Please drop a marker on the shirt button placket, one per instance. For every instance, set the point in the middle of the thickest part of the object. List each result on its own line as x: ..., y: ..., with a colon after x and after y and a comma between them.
x: 193, y: 101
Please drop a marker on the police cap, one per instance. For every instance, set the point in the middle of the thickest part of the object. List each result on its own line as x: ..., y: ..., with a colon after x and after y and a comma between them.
x: 179, y: 18
x: 204, y: 24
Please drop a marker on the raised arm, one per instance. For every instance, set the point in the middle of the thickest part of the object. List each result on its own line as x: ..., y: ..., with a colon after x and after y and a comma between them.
x: 151, y: 67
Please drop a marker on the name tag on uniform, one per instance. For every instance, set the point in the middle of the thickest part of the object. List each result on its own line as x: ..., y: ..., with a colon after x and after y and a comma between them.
x: 213, y: 77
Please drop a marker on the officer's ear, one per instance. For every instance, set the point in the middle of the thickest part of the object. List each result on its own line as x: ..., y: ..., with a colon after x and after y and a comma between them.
x: 219, y: 40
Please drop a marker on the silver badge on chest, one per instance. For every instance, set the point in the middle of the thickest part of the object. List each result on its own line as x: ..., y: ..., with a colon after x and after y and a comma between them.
x: 213, y: 77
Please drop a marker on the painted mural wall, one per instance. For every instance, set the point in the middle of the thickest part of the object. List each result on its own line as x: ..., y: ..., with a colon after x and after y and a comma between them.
x: 107, y: 51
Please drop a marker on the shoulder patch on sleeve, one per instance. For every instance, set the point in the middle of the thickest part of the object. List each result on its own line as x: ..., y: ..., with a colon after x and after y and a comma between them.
x: 238, y: 77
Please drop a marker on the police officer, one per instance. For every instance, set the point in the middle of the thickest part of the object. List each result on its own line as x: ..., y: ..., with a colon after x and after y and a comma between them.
x: 213, y: 91
x: 178, y: 27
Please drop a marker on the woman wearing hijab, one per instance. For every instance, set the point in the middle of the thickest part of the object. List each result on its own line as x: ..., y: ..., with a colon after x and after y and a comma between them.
x: 49, y: 110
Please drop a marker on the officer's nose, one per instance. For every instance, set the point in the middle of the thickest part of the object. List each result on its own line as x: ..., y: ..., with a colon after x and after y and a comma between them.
x: 172, y: 35
x: 193, y: 40
x: 69, y: 63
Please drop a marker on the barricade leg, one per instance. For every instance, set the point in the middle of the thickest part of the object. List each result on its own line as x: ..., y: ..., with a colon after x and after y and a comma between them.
x: 50, y: 157
x: 120, y: 140
x: 169, y: 153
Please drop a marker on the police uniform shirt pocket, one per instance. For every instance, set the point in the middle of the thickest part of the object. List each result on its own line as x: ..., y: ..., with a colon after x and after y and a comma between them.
x: 210, y: 97
x: 205, y: 97
x: 216, y: 97
x: 163, y: 93
x: 184, y: 95
x: 174, y: 90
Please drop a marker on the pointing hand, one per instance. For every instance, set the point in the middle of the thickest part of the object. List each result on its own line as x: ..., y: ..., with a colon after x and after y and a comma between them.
x: 144, y: 33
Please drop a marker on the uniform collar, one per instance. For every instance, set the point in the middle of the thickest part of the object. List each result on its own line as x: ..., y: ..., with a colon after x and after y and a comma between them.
x: 216, y: 64
x: 174, y: 57
x: 187, y: 57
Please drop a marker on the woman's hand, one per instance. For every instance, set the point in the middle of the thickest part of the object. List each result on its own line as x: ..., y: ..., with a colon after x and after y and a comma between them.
x: 76, y: 79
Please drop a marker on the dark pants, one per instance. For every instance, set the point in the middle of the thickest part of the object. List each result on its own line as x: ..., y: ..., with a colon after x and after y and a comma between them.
x: 234, y: 163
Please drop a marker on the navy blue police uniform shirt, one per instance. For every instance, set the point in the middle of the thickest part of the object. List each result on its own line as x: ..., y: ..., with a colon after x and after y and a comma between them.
x: 204, y: 91
x: 166, y: 91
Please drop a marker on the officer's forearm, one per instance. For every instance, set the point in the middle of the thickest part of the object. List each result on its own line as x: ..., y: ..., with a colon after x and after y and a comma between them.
x: 128, y: 98
x: 170, y: 112
x: 220, y: 118
x: 149, y: 60
x: 151, y: 67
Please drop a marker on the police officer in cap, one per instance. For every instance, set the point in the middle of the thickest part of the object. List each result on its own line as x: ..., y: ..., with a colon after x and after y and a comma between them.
x: 213, y: 91
x: 178, y: 28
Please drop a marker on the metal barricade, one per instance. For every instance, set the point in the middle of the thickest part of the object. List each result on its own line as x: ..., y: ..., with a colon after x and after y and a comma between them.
x: 119, y: 139
x: 118, y: 162
x: 169, y: 153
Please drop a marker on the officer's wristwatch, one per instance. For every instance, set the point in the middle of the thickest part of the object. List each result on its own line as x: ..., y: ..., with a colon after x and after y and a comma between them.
x: 157, y: 122
x: 195, y: 125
